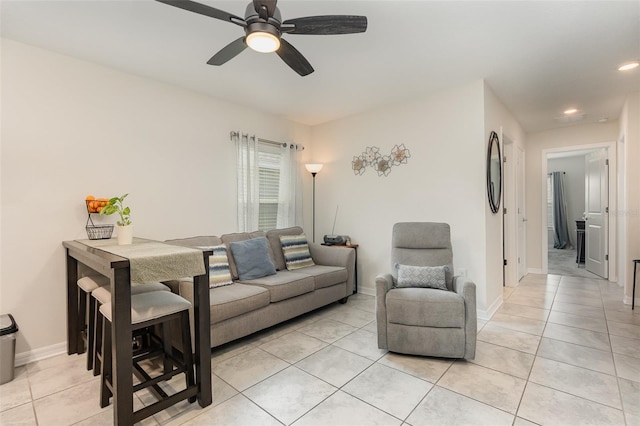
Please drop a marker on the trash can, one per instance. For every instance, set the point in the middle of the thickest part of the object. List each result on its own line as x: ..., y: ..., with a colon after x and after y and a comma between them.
x: 8, y: 330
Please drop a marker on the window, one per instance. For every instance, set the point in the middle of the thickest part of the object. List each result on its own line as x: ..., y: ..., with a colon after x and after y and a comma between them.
x: 269, y: 193
x: 269, y: 163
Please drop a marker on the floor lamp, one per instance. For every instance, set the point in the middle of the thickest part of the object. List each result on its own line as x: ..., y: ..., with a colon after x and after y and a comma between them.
x: 314, y: 169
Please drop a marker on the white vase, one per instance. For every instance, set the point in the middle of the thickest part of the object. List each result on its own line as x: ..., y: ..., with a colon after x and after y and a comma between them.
x: 125, y: 234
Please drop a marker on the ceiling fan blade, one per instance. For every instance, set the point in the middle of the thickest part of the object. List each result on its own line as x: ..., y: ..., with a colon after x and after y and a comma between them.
x: 293, y: 58
x: 228, y: 52
x: 269, y: 4
x: 329, y: 24
x: 203, y: 9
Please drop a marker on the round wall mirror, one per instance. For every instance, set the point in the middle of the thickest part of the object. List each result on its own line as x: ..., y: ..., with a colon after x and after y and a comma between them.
x: 494, y: 172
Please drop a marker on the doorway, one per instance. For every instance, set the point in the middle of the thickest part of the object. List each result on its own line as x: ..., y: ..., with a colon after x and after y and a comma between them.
x: 582, y: 174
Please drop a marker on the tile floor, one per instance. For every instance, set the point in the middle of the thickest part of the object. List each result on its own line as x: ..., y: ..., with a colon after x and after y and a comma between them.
x: 560, y: 351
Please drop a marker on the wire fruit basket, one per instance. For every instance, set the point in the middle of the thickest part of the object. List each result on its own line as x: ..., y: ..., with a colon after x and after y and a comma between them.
x: 99, y: 232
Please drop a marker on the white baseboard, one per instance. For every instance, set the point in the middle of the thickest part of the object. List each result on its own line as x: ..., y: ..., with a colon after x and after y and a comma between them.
x: 627, y: 300
x: 369, y: 291
x: 41, y: 353
x: 535, y: 271
x: 488, y: 313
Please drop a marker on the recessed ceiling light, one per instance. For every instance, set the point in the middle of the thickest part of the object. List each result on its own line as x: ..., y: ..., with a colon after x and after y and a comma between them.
x: 570, y: 111
x: 629, y: 66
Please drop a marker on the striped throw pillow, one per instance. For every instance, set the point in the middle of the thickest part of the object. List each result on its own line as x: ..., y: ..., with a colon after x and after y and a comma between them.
x: 296, y: 251
x: 219, y: 272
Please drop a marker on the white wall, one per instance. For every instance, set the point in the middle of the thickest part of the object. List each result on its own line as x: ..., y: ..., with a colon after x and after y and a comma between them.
x: 566, y: 137
x: 574, y: 185
x: 628, y: 211
x: 444, y: 180
x: 497, y: 118
x: 71, y: 128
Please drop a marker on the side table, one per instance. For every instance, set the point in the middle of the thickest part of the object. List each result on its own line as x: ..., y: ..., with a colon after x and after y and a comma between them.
x: 355, y: 272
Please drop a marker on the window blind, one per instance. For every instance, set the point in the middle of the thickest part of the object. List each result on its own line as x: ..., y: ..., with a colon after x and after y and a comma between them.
x: 269, y: 164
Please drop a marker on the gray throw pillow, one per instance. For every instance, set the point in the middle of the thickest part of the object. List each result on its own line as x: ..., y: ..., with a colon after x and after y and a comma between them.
x: 422, y: 276
x: 252, y: 258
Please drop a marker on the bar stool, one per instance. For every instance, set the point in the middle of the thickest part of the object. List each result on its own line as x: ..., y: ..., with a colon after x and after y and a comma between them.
x: 100, y: 296
x: 149, y: 309
x: 86, y: 327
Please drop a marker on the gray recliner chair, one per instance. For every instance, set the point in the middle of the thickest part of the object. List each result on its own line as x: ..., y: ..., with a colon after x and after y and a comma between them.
x: 420, y: 320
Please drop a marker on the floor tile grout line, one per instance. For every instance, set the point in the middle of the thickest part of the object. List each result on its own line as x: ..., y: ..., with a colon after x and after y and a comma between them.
x: 528, y: 380
x: 615, y: 369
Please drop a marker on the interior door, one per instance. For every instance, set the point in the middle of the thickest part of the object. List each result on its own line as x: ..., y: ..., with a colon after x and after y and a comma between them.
x: 597, y: 212
x: 522, y: 219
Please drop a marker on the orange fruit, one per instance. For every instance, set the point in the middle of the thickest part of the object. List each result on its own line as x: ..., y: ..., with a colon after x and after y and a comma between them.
x: 90, y: 198
x: 99, y: 209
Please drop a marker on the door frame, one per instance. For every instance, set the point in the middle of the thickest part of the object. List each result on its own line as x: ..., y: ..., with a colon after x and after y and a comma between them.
x: 613, y: 197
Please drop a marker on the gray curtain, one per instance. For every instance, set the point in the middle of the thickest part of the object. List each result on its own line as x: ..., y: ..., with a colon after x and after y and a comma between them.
x: 560, y: 226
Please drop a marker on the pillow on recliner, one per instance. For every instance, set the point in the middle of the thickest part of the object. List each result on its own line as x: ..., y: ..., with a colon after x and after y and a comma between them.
x: 252, y: 258
x: 422, y: 276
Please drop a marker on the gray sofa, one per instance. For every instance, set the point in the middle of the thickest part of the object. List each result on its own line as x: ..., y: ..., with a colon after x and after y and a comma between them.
x: 244, y: 307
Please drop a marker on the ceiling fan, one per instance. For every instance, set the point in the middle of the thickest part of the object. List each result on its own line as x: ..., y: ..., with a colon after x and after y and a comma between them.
x: 263, y: 27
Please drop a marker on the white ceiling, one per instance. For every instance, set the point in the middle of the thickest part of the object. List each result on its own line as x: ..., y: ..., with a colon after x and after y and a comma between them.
x: 539, y: 57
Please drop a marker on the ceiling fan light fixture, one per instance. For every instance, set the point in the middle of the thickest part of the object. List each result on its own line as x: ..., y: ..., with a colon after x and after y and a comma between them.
x: 629, y: 66
x: 263, y: 42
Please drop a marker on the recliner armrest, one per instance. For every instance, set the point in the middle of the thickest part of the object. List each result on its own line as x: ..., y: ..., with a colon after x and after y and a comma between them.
x: 467, y: 289
x: 384, y: 282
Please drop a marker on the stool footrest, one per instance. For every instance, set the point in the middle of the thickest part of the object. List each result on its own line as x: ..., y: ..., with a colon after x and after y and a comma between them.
x: 149, y: 381
x: 156, y: 407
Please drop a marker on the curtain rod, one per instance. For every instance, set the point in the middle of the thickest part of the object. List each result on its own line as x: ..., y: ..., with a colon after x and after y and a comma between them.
x: 235, y: 134
x: 550, y: 173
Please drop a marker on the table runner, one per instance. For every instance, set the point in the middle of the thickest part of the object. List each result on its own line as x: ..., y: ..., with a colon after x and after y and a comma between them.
x: 152, y: 261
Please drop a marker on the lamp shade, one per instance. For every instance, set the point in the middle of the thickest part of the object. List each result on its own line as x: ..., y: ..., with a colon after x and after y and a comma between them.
x: 313, y: 168
x: 264, y: 42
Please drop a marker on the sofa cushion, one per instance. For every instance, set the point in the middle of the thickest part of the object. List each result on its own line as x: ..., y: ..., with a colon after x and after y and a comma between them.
x: 274, y: 241
x: 425, y: 307
x: 296, y: 251
x: 325, y: 276
x: 252, y: 258
x: 236, y: 299
x: 284, y: 284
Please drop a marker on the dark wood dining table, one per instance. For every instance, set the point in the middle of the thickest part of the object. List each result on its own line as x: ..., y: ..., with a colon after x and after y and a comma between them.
x: 118, y: 270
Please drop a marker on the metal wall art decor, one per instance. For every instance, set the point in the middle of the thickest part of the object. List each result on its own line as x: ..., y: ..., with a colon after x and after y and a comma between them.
x: 381, y: 163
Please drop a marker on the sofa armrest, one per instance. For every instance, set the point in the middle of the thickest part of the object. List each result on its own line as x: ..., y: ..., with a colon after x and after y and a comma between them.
x: 384, y: 282
x: 336, y: 256
x: 467, y: 289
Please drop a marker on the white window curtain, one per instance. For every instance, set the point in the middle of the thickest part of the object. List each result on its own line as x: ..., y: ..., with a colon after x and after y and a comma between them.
x: 269, y: 187
x: 248, y: 183
x: 290, y: 193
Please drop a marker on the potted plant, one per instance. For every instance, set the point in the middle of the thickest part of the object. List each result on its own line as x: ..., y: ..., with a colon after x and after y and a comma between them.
x: 124, y: 226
